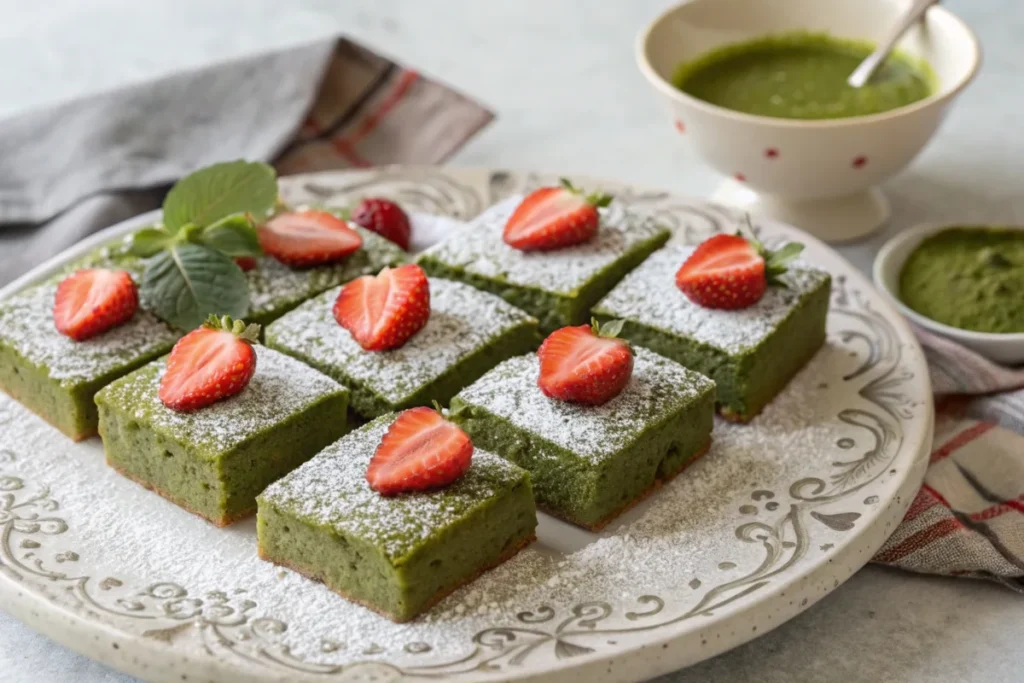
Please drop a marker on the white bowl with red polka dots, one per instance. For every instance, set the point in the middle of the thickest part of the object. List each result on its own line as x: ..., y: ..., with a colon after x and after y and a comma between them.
x: 820, y: 175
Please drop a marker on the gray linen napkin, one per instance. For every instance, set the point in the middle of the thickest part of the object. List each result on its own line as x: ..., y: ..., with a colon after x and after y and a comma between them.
x: 68, y: 171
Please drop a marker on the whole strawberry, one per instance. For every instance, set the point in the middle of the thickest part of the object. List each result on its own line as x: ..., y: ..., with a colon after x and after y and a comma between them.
x: 92, y: 301
x: 382, y: 312
x: 732, y: 272
x: 586, y: 364
x: 385, y: 218
x: 209, y: 364
x: 421, y: 450
x: 246, y: 263
x: 554, y: 217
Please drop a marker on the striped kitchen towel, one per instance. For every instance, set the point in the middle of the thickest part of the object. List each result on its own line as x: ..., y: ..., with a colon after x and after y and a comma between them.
x: 83, y: 165
x: 968, y: 518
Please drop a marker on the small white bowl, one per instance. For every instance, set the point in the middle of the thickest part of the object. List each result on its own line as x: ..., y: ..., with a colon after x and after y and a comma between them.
x: 820, y: 175
x: 1007, y: 349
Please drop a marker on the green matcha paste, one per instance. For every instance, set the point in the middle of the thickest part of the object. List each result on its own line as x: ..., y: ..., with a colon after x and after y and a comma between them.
x: 802, y: 76
x: 968, y: 277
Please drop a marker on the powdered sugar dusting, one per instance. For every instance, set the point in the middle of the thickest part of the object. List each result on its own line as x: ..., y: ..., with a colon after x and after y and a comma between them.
x: 280, y: 388
x: 680, y: 535
x: 657, y: 388
x: 462, y: 320
x: 202, y: 592
x: 671, y: 311
x: 331, y: 489
x: 481, y: 250
x: 26, y: 326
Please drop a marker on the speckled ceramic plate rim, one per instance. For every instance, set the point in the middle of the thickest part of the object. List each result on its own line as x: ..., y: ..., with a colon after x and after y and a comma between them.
x: 667, y: 648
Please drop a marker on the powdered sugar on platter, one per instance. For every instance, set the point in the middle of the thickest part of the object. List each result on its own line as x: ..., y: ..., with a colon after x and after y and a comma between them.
x: 777, y: 514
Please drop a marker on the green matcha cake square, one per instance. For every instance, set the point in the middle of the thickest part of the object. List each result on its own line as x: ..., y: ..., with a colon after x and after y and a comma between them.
x: 590, y: 463
x: 751, y: 353
x: 397, y: 555
x: 275, y: 289
x: 214, y: 461
x: 557, y: 287
x: 57, y: 377
x: 467, y: 334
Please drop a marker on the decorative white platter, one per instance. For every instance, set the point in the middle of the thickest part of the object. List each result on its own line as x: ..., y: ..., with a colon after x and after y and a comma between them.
x: 777, y: 515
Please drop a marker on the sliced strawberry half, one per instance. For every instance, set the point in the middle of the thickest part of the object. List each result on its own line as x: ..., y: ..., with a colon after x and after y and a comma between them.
x: 92, y: 301
x: 209, y: 364
x: 308, y: 238
x: 385, y: 218
x: 586, y: 364
x: 383, y: 311
x: 554, y: 217
x: 421, y: 450
x: 732, y: 272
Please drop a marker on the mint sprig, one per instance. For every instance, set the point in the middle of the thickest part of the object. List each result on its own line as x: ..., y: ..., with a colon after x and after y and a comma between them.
x: 221, y: 190
x: 209, y: 219
x: 186, y: 283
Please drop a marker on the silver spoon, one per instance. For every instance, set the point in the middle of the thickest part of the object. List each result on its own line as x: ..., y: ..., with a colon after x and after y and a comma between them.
x: 863, y: 72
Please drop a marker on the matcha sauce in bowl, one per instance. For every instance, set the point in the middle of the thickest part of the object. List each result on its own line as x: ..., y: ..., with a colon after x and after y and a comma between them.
x: 802, y: 76
x: 971, y: 278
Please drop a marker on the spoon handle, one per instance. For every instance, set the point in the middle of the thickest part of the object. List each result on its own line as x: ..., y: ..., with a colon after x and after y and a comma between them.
x: 863, y: 72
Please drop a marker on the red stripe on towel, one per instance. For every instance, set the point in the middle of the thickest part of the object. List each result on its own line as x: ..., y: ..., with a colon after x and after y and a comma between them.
x: 960, y: 440
x: 919, y: 540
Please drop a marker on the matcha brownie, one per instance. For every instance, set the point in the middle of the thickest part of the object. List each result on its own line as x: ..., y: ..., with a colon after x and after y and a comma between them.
x: 57, y: 377
x: 215, y: 460
x: 559, y: 286
x: 590, y: 463
x: 275, y: 289
x: 468, y: 332
x: 751, y: 353
x: 397, y: 554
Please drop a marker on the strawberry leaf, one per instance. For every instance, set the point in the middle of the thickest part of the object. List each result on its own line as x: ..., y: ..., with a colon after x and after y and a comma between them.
x: 150, y: 241
x: 785, y: 255
x: 612, y: 328
x: 234, y: 236
x: 236, y: 326
x: 186, y: 283
x: 777, y: 262
x: 218, y: 191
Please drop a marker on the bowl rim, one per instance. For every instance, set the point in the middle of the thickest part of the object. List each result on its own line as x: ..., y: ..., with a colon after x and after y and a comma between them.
x: 887, y: 264
x: 674, y: 93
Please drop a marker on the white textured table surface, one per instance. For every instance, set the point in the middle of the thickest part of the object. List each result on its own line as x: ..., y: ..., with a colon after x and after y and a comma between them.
x: 560, y: 75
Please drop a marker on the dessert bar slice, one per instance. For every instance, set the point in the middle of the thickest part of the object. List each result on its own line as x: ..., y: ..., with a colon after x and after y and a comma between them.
x: 751, y: 353
x: 589, y: 463
x: 396, y: 554
x: 275, y: 289
x: 468, y: 332
x: 215, y: 460
x: 57, y: 377
x: 557, y: 287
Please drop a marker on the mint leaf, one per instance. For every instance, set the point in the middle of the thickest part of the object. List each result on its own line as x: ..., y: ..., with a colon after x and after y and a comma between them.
x: 217, y: 191
x: 189, y: 282
x: 234, y: 236
x: 149, y: 241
